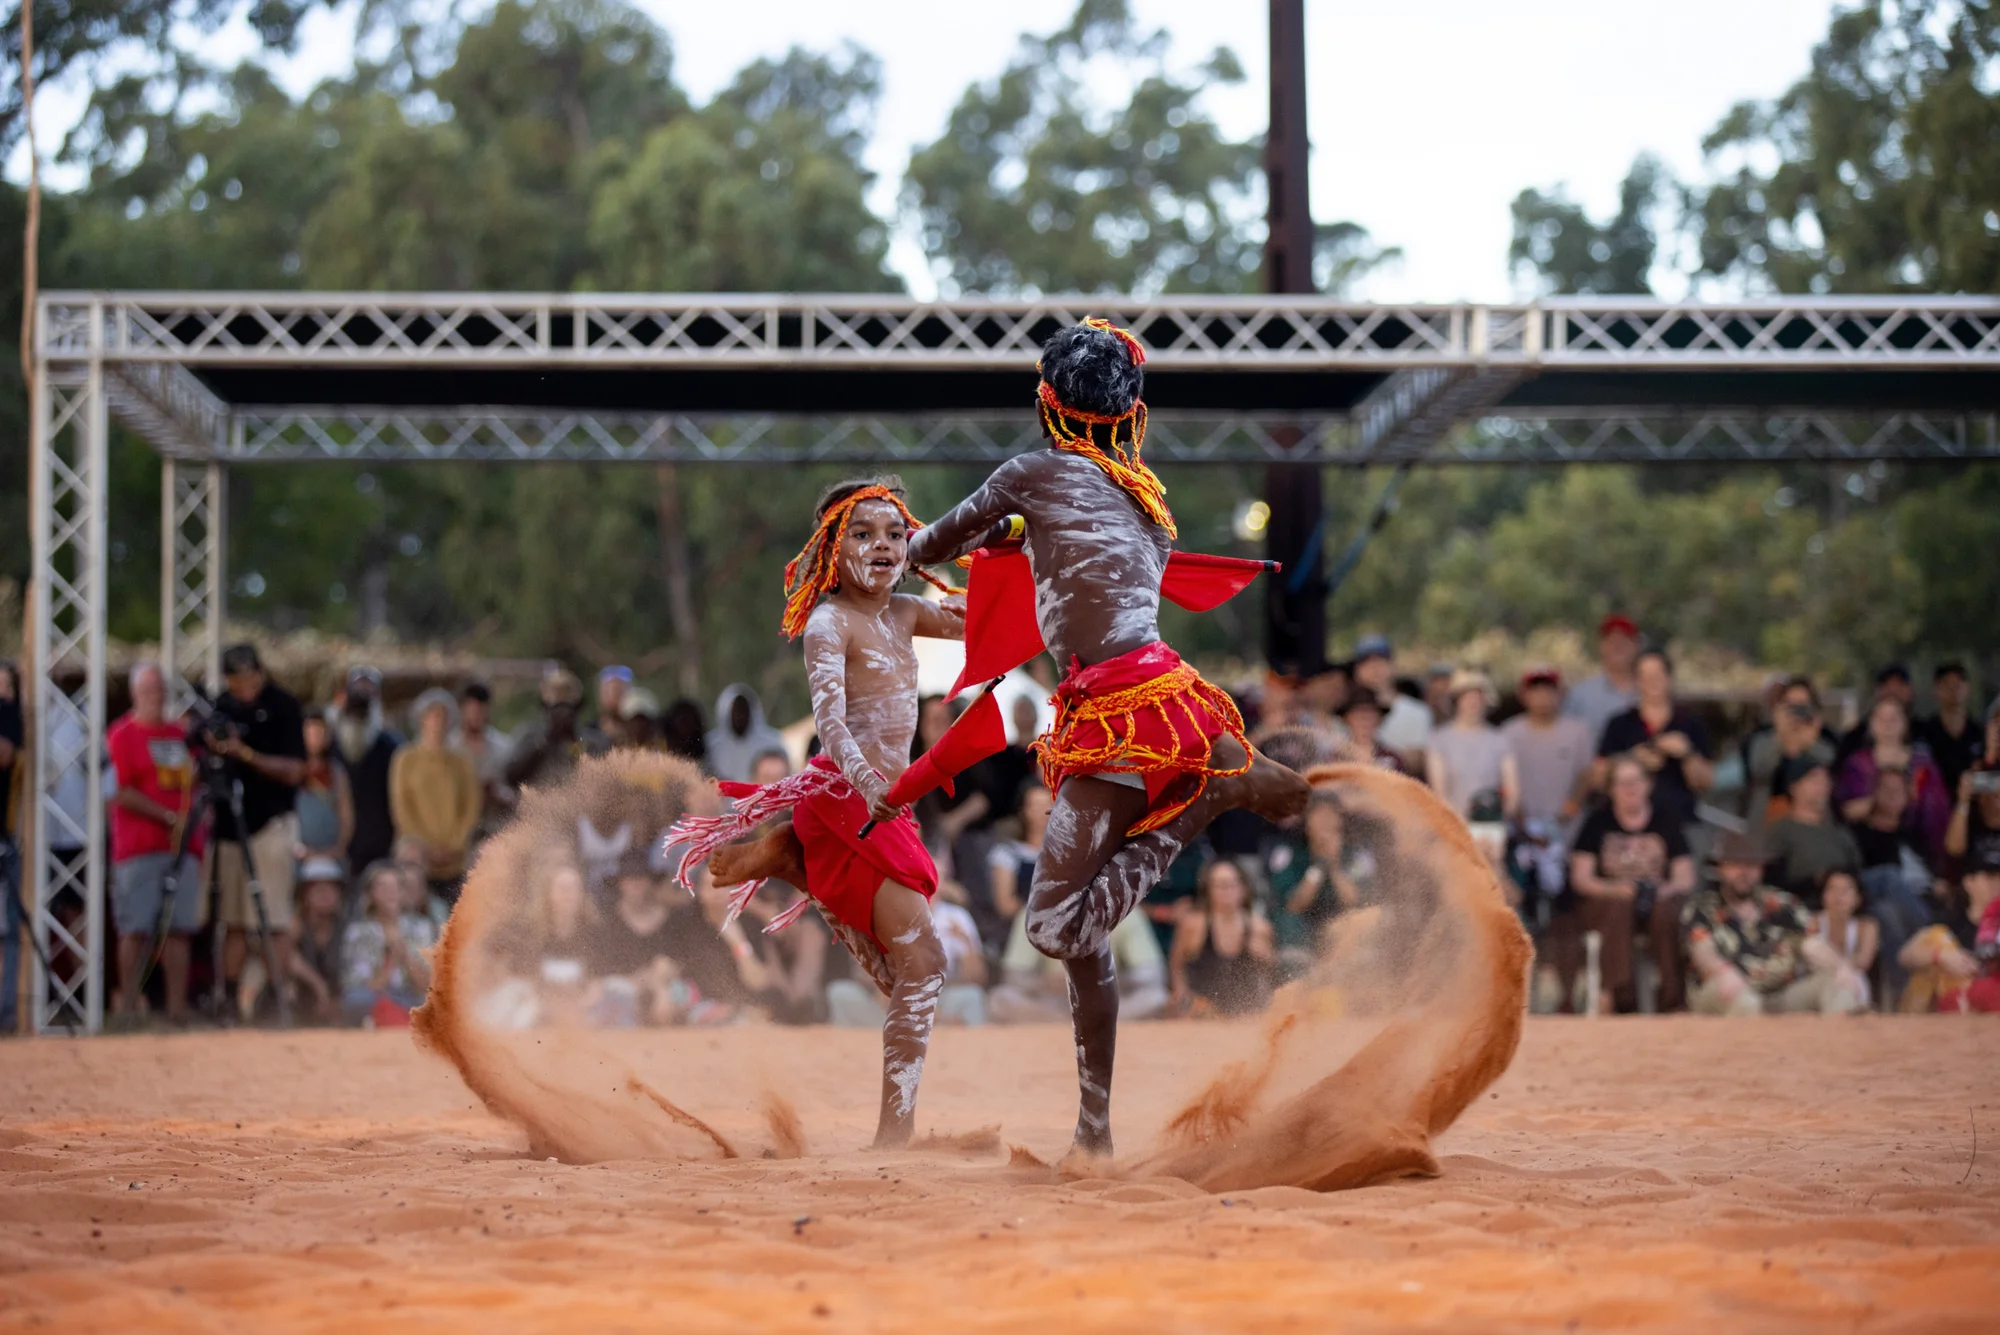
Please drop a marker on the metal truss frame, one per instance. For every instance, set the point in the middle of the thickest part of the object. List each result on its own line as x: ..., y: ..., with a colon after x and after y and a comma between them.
x: 65, y: 867
x: 1411, y: 430
x: 137, y: 355
x: 499, y: 329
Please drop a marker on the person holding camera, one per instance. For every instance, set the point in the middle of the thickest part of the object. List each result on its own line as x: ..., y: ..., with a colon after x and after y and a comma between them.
x: 1975, y: 817
x: 1631, y: 868
x: 155, y: 775
x: 259, y: 728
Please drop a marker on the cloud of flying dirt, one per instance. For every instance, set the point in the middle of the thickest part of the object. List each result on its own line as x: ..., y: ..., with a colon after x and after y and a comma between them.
x: 1439, y: 962
x: 576, y: 1103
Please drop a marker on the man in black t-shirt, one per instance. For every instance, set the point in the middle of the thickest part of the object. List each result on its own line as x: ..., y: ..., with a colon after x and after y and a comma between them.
x: 268, y: 754
x: 1668, y: 740
x: 1630, y: 868
x: 1954, y: 736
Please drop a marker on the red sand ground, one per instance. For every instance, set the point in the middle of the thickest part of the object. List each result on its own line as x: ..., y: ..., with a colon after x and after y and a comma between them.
x: 1643, y: 1174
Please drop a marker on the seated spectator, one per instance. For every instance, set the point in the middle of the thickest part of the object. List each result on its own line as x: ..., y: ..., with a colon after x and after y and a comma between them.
x: 434, y: 796
x: 1331, y: 879
x: 1807, y: 842
x: 1439, y: 695
x: 1406, y: 723
x: 1468, y: 756
x: 1954, y: 965
x: 1631, y: 869
x: 740, y: 734
x: 613, y: 684
x: 856, y: 1003
x: 316, y: 958
x: 1889, y: 747
x: 1224, y: 960
x: 639, y: 711
x: 1894, y: 875
x: 1362, y: 715
x: 1752, y: 946
x: 1006, y: 776
x: 729, y: 974
x: 1975, y: 817
x: 325, y: 804
x: 546, y: 954
x: 684, y: 731
x: 1671, y: 742
x: 1611, y: 690
x: 770, y: 767
x: 1011, y: 864
x: 1552, y: 752
x: 1034, y: 989
x: 408, y: 859
x: 489, y: 749
x: 1954, y: 736
x: 635, y: 979
x: 1843, y: 922
x: 1891, y: 682
x: 796, y: 956
x: 1797, y: 730
x: 547, y: 750
x: 385, y: 973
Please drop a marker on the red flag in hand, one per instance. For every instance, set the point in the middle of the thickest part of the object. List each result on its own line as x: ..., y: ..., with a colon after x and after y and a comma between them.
x: 1000, y: 629
x: 979, y: 733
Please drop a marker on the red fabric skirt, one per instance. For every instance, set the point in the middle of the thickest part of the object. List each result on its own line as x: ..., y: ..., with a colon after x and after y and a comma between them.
x: 843, y: 870
x: 1144, y: 713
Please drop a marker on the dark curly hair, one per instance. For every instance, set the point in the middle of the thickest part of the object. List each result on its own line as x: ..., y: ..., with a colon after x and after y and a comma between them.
x: 1092, y: 371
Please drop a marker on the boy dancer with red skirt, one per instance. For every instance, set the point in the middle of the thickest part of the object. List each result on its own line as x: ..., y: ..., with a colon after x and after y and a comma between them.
x: 862, y: 669
x: 1143, y: 753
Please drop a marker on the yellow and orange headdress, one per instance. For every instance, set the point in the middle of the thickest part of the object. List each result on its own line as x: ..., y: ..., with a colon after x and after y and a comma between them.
x: 1069, y: 427
x: 815, y: 571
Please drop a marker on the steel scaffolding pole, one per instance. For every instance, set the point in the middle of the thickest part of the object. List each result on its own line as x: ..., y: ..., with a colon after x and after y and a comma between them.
x: 66, y: 866
x: 193, y: 503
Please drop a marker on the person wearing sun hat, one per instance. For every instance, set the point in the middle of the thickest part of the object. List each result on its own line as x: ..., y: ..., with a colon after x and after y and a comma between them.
x: 1468, y: 757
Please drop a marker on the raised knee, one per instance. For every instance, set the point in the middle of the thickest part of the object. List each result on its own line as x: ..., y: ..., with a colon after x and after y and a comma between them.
x: 1046, y: 933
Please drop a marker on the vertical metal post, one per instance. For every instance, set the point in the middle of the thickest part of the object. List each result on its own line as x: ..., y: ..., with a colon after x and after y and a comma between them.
x: 69, y: 523
x: 192, y: 504
x: 217, y: 477
x: 1295, y: 601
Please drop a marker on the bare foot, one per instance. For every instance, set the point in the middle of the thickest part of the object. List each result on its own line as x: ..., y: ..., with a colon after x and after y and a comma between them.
x: 1085, y: 1158
x: 771, y: 853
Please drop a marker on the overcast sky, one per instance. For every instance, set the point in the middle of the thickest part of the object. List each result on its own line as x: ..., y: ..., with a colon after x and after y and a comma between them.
x: 1426, y: 118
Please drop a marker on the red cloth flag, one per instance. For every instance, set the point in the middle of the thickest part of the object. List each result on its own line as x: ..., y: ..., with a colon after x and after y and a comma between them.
x: 1000, y: 629
x: 978, y: 733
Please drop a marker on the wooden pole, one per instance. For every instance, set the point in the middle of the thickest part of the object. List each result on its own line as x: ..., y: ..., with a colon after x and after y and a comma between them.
x: 31, y: 242
x: 1294, y: 601
x: 24, y: 759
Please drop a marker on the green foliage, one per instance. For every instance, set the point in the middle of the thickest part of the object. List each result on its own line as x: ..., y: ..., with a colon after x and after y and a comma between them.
x: 1031, y: 186
x: 1568, y: 253
x: 1887, y: 173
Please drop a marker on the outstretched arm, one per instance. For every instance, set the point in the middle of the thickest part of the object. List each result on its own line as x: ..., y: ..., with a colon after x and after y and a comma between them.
x: 826, y: 677
x: 968, y: 525
x: 938, y: 621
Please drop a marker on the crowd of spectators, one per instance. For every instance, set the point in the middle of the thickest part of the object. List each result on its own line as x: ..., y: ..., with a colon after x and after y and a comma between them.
x: 1805, y: 869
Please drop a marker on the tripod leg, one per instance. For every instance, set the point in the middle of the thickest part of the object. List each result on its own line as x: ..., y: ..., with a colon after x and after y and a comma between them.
x: 268, y: 946
x: 169, y: 890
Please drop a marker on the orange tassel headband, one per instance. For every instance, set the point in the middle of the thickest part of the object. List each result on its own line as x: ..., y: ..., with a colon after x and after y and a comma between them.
x: 1121, y: 465
x: 821, y: 558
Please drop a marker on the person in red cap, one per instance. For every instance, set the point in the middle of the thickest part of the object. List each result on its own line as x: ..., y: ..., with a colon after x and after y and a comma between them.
x: 1552, y: 751
x: 873, y: 890
x: 1614, y: 687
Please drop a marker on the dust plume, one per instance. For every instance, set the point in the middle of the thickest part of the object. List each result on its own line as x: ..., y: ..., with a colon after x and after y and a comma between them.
x: 576, y: 1104
x: 1439, y: 960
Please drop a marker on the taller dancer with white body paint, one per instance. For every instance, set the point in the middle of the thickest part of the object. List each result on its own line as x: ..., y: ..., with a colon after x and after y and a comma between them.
x: 874, y: 892
x: 1143, y: 753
